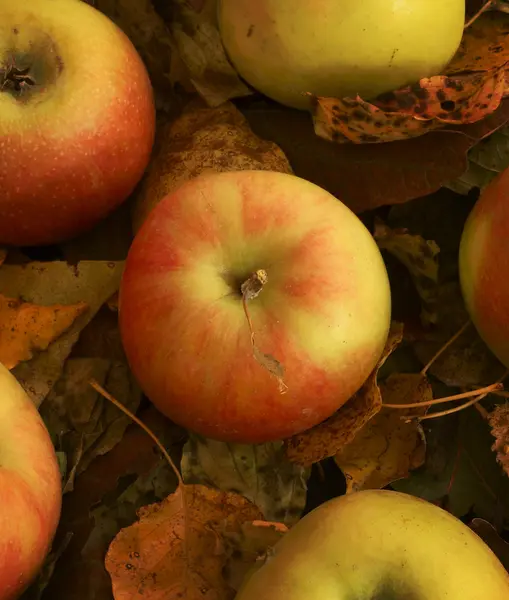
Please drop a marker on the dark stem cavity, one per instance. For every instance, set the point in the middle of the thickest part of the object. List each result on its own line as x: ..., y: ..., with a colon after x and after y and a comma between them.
x: 15, y: 80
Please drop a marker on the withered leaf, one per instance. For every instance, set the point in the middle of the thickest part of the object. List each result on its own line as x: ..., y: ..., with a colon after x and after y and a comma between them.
x: 420, y: 257
x: 27, y: 328
x: 176, y: 549
x: 260, y: 472
x: 203, y: 139
x: 387, y: 448
x: 329, y: 437
x: 499, y: 423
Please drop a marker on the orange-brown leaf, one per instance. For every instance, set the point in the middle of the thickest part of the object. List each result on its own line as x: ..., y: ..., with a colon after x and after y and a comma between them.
x: 175, y: 553
x: 25, y: 327
x: 499, y: 422
x: 388, y: 448
x: 329, y: 437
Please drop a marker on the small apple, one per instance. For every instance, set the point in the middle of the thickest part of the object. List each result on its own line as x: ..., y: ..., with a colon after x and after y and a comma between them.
x: 484, y: 266
x: 323, y: 314
x: 77, y: 119
x: 338, y: 48
x: 30, y: 489
x: 374, y: 545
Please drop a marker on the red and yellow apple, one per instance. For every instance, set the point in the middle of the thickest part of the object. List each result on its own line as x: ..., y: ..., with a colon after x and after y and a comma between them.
x: 77, y: 119
x: 323, y: 314
x: 378, y: 545
x: 30, y: 489
x: 338, y: 48
x: 484, y: 266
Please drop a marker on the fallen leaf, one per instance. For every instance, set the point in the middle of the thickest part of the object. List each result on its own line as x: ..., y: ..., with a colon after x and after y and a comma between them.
x: 260, y: 472
x: 27, y: 328
x: 329, y: 437
x: 252, y: 545
x: 484, y: 45
x: 199, y: 43
x: 79, y: 419
x: 49, y: 283
x: 468, y: 361
x: 419, y: 256
x: 499, y: 423
x: 387, y: 448
x: 398, y: 171
x: 203, y: 139
x: 490, y: 536
x: 176, y: 548
x: 485, y: 161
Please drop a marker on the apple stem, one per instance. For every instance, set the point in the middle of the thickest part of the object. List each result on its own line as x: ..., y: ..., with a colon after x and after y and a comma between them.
x: 485, y: 390
x: 97, y: 387
x: 444, y: 347
x: 482, y: 10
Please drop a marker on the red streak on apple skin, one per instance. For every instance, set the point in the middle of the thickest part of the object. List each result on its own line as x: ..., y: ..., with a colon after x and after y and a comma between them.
x: 491, y: 281
x: 55, y: 188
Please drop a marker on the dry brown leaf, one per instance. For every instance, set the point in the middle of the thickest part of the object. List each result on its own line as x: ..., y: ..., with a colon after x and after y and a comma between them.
x: 27, y: 328
x: 499, y: 423
x: 472, y: 87
x: 199, y: 44
x: 419, y: 256
x: 484, y: 45
x: 173, y: 553
x: 327, y: 438
x: 250, y: 546
x: 203, y: 139
x: 388, y: 448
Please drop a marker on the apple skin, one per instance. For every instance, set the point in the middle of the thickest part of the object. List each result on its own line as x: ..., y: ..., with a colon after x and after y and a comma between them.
x: 324, y: 313
x: 30, y: 489
x: 73, y: 146
x: 338, y: 48
x: 374, y: 545
x: 484, y: 264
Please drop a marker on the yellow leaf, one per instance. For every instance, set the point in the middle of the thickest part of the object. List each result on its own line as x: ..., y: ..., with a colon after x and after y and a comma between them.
x: 327, y: 438
x: 387, y: 448
x: 25, y: 327
x: 177, y: 549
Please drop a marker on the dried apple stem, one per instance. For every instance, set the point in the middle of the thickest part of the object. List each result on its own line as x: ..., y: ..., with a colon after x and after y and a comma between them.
x: 486, y: 390
x: 482, y: 10
x: 444, y: 347
x: 98, y: 388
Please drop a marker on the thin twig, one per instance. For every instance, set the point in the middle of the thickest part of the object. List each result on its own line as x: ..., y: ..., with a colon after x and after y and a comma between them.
x: 443, y: 413
x: 486, y: 390
x: 444, y: 347
x: 482, y: 10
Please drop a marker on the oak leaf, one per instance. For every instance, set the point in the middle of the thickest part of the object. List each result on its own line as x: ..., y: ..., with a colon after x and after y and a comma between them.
x: 26, y: 328
x: 499, y: 423
x: 176, y: 549
x: 333, y: 434
x: 387, y: 448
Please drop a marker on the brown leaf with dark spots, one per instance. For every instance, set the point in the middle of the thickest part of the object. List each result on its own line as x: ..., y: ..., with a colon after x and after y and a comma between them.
x: 366, y: 176
x: 176, y: 548
x: 387, y: 448
x: 27, y: 328
x: 499, y: 423
x: 330, y: 436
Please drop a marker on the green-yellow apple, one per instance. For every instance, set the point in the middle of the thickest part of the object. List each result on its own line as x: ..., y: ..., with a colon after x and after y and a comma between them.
x: 30, y: 489
x: 378, y: 545
x: 484, y: 266
x: 77, y: 119
x: 323, y: 314
x: 338, y: 48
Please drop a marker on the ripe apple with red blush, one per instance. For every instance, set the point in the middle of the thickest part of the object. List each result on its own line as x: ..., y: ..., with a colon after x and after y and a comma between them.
x: 323, y: 313
x: 77, y: 119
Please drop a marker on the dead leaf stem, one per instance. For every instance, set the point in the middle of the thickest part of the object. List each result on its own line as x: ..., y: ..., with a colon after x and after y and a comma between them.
x: 482, y: 10
x: 444, y: 347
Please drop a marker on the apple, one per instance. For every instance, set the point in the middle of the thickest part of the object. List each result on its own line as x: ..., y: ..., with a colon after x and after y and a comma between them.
x: 30, y: 489
x: 323, y: 314
x: 338, y: 48
x: 374, y: 545
x: 77, y: 119
x: 484, y: 264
